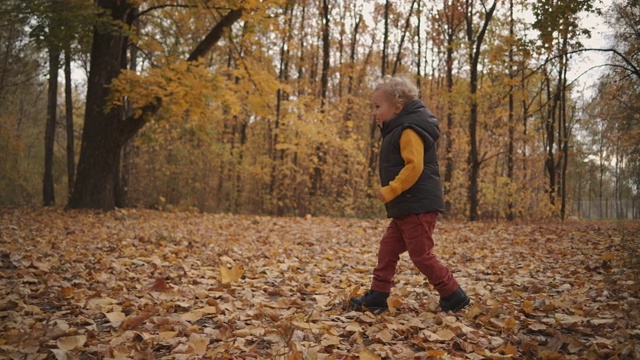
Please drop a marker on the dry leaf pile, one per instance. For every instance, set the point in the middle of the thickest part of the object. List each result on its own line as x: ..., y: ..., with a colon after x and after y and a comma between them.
x: 141, y: 284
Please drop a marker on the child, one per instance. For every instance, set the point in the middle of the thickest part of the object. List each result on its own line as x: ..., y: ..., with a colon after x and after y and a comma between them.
x: 412, y: 194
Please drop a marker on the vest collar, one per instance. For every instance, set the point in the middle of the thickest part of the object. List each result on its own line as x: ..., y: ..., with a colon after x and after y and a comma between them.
x: 401, y: 118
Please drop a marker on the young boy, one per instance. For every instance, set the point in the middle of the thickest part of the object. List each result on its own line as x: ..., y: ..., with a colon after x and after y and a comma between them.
x: 412, y: 194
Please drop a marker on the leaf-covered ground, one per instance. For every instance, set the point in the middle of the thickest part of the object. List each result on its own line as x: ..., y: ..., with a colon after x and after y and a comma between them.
x: 143, y: 284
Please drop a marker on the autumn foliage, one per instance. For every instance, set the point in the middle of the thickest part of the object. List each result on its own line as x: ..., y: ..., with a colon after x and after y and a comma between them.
x: 144, y: 284
x: 262, y: 107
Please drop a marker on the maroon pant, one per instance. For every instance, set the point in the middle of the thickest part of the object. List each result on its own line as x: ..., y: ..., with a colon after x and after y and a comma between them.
x: 412, y: 233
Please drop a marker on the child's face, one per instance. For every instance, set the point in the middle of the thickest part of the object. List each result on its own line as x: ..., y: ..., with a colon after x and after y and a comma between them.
x: 385, y: 108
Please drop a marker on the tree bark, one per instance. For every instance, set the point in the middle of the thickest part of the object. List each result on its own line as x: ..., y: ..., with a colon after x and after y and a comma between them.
x: 105, y: 132
x: 326, y: 47
x: 68, y: 97
x: 48, y: 191
x: 473, y: 159
x: 452, y: 29
x: 396, y: 63
x: 511, y: 124
x: 385, y: 39
x: 124, y: 171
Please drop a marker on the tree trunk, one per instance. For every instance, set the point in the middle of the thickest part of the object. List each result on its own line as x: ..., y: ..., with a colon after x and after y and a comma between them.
x: 385, y: 40
x: 101, y: 142
x: 326, y: 53
x: 549, y: 126
x: 565, y: 129
x: 396, y: 63
x: 124, y: 169
x: 449, y: 139
x: 48, y: 191
x: 419, y: 44
x: 511, y: 124
x: 277, y: 156
x: 68, y: 96
x: 473, y: 159
x: 104, y: 132
x: 373, y: 148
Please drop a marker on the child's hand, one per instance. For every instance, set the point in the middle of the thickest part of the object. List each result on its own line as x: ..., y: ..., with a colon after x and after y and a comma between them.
x: 380, y: 197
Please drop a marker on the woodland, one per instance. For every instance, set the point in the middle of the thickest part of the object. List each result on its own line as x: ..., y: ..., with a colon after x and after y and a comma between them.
x: 195, y: 179
x: 262, y: 107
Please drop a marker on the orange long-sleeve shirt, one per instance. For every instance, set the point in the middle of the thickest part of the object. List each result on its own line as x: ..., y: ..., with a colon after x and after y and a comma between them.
x: 412, y: 152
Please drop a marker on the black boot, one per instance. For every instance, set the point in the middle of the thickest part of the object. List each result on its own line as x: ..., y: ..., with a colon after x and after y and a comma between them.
x: 454, y: 302
x: 374, y: 301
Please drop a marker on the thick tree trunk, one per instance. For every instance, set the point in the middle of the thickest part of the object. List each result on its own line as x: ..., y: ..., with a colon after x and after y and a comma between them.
x: 68, y: 99
x: 105, y: 133
x: 101, y: 142
x: 48, y: 191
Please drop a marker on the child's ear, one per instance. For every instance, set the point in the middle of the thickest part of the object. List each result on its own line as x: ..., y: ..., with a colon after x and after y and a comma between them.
x: 398, y: 107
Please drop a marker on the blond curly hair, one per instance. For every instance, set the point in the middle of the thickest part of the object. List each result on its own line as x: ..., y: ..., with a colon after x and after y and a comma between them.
x: 399, y: 88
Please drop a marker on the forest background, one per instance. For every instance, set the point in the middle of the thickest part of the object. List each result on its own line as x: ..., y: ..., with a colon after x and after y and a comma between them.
x: 262, y: 107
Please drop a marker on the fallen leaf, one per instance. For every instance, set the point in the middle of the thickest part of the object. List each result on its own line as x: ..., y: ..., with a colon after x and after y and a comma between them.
x: 328, y: 340
x: 445, y: 334
x: 230, y: 275
x: 192, y: 316
x: 133, y: 321
x: 115, y: 316
x: 160, y: 285
x: 366, y: 355
x: 354, y: 327
x: 385, y: 336
x: 71, y: 342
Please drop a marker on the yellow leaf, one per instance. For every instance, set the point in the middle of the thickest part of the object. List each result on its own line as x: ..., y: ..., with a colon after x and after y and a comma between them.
x: 436, y: 352
x: 510, y: 323
x: 527, y: 307
x: 231, y: 275
x: 393, y: 303
x: 445, y: 334
x: 115, y: 316
x: 208, y: 310
x: 474, y: 311
x: 354, y: 326
x: 330, y: 340
x: 510, y: 350
x: 191, y: 316
x: 385, y: 336
x: 71, y: 342
x: 608, y: 256
x: 166, y: 335
x: 199, y: 343
x: 366, y: 355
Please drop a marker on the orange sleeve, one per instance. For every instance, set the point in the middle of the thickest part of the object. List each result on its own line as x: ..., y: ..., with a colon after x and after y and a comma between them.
x: 412, y: 152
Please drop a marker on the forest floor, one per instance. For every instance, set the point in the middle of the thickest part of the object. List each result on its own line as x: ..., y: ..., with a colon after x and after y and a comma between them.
x: 142, y: 284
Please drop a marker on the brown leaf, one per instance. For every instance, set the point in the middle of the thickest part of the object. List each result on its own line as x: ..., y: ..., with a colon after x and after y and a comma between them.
x: 366, y: 355
x: 71, y: 342
x: 133, y: 321
x: 230, y: 275
x: 160, y: 285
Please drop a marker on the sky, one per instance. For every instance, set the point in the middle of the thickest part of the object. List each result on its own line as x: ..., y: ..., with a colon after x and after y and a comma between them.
x: 601, y: 35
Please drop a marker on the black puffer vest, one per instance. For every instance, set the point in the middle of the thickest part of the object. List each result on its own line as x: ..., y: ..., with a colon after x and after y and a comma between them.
x: 426, y: 194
